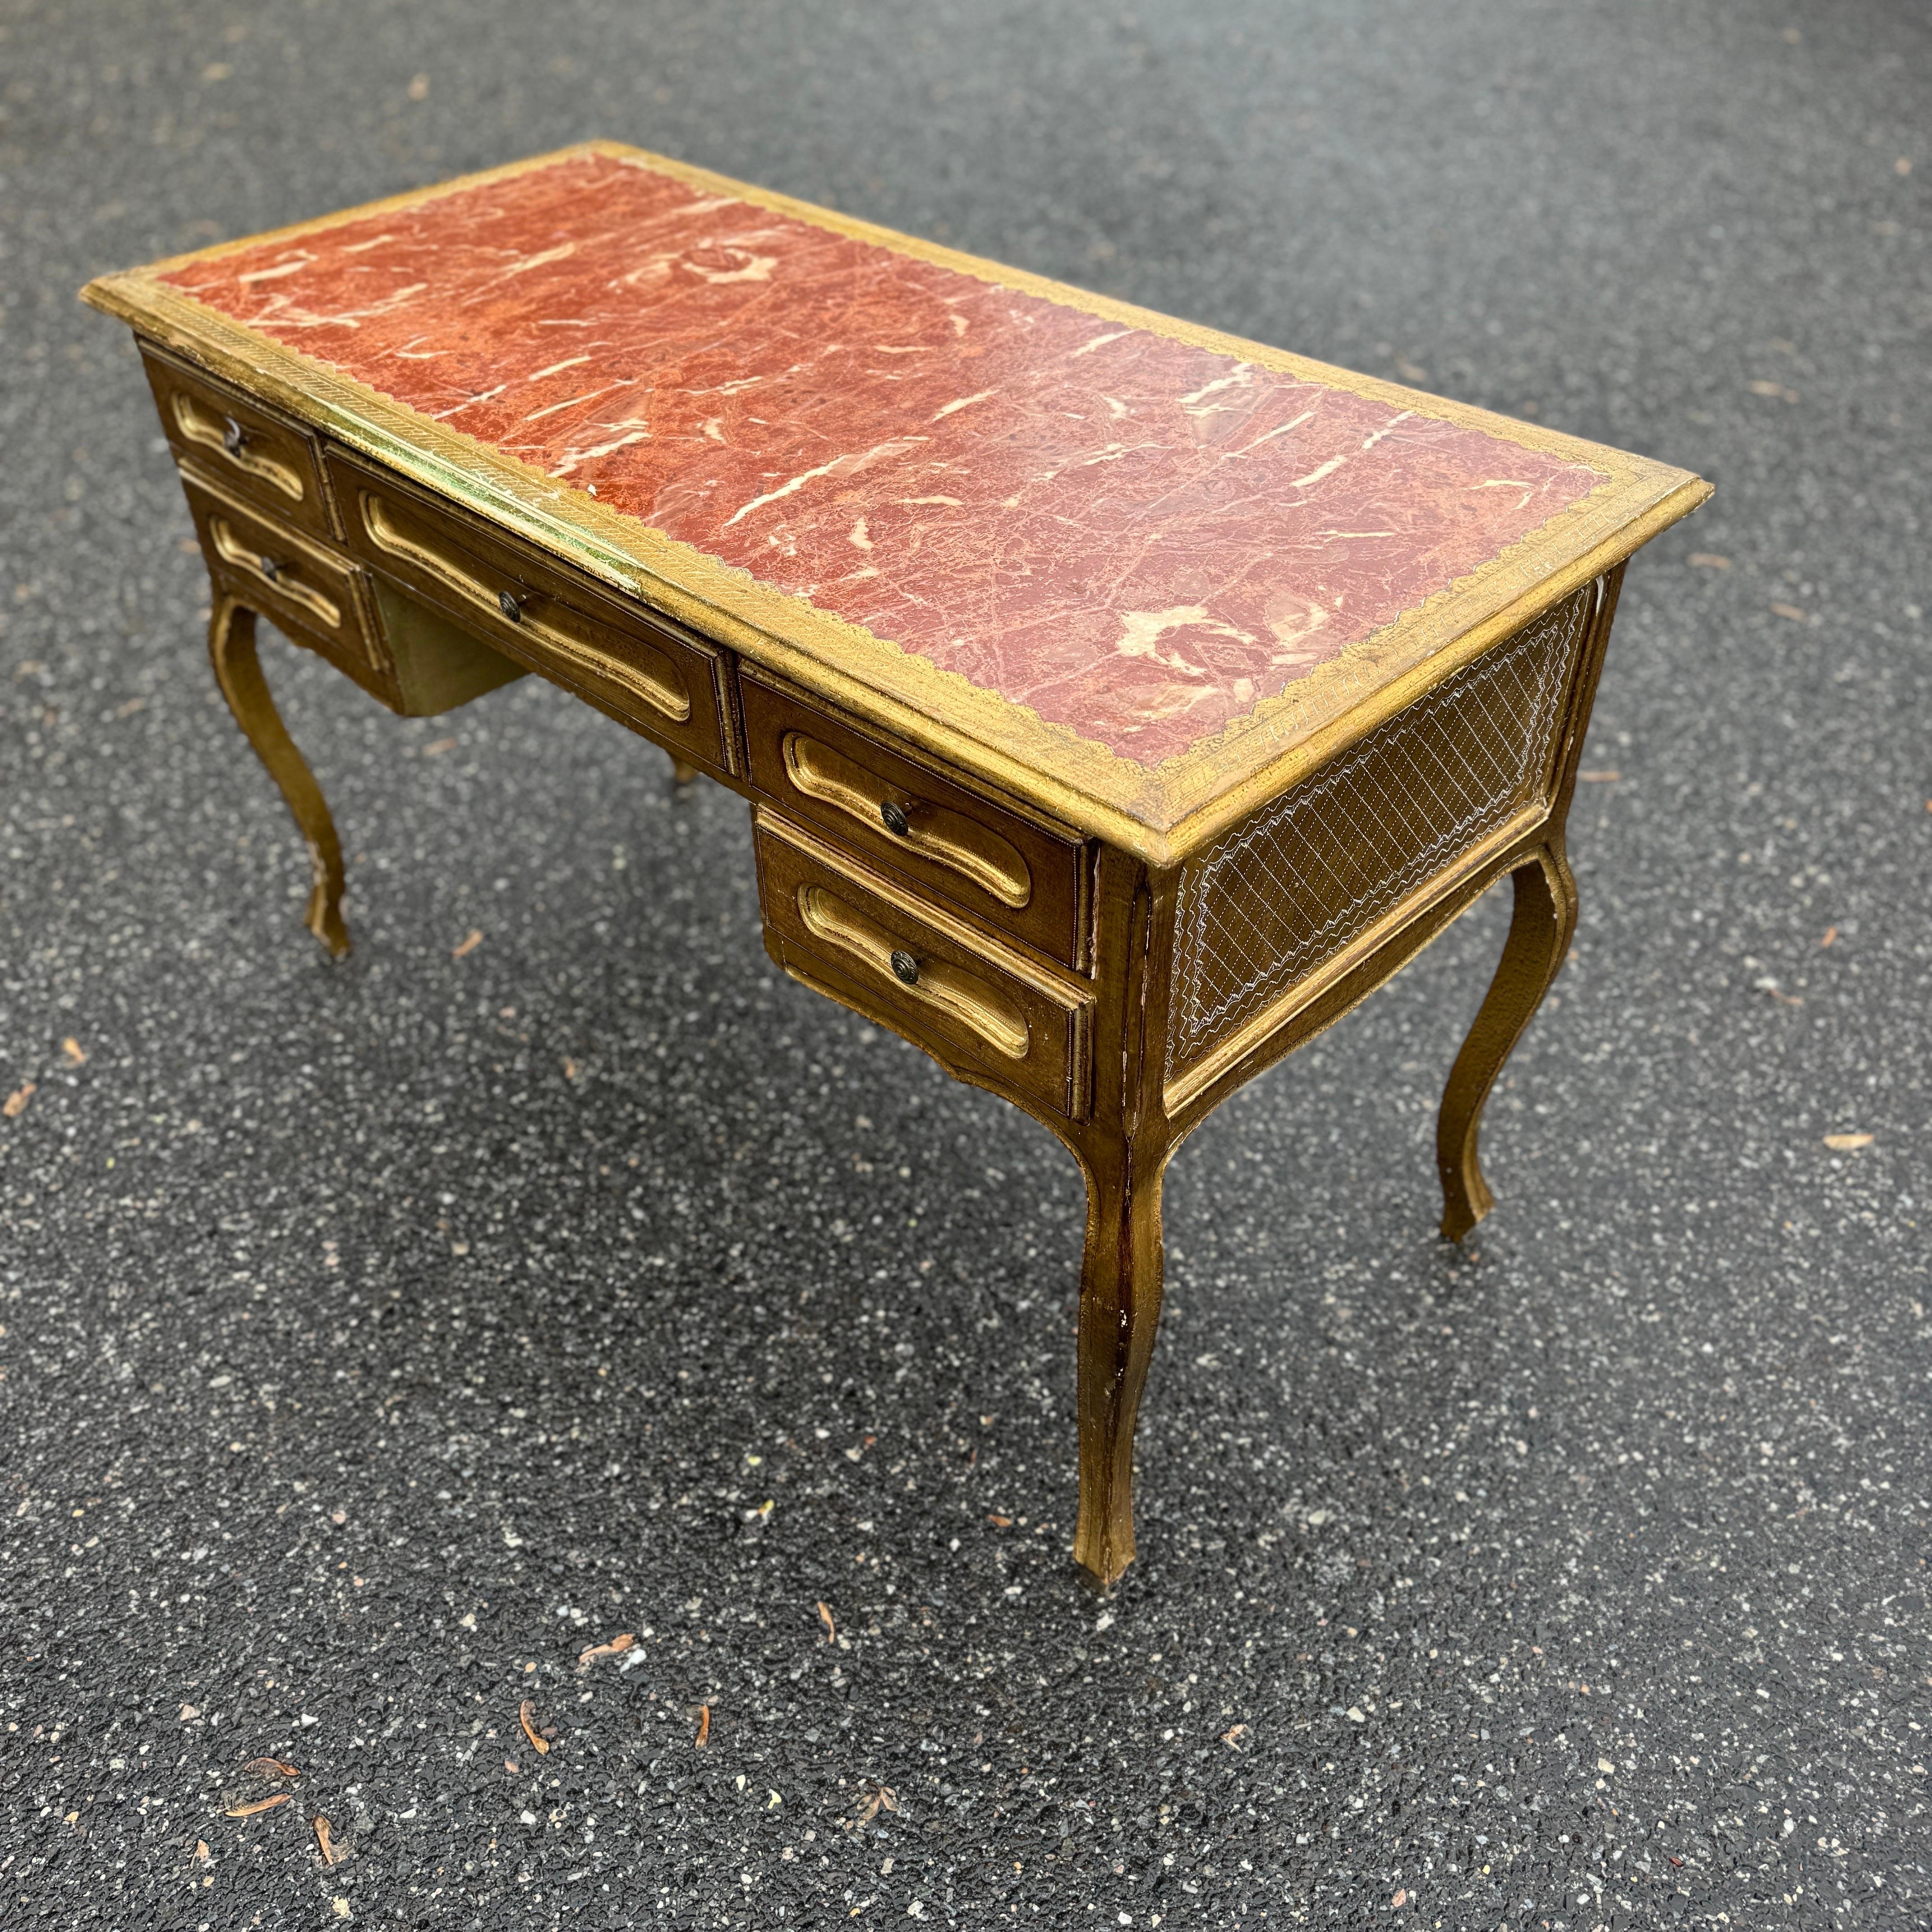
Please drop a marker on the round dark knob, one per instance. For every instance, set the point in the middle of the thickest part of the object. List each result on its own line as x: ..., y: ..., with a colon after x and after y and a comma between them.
x: 510, y: 606
x: 271, y: 570
x: 894, y: 815
x: 233, y: 436
x: 906, y: 968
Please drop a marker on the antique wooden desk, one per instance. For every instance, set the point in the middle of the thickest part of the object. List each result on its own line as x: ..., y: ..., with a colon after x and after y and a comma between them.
x: 1118, y: 702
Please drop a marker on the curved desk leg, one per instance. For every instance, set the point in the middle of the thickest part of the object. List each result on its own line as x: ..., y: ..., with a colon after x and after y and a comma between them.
x: 1119, y: 1309
x: 1539, y: 941
x: 238, y: 670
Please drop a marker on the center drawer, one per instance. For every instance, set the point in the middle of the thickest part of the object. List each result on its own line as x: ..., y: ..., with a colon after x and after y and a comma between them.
x: 839, y: 926
x: 659, y: 679
x: 1016, y: 872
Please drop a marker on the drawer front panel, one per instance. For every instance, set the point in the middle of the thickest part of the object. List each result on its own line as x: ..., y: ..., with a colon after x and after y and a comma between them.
x: 935, y: 978
x: 1016, y: 874
x: 661, y: 682
x: 317, y: 595
x: 256, y: 454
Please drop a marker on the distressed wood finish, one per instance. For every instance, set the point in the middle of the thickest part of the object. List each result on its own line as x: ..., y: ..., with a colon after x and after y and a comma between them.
x: 1013, y: 827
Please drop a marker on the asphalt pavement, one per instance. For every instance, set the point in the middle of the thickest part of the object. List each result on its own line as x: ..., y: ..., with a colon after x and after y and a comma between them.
x: 378, y: 1339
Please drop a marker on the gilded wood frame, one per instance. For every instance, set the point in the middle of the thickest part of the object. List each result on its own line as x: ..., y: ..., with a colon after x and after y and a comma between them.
x: 1142, y: 825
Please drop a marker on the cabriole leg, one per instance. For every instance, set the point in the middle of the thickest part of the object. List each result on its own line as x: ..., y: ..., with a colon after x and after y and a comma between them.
x: 1120, y: 1307
x: 238, y: 670
x: 1540, y: 933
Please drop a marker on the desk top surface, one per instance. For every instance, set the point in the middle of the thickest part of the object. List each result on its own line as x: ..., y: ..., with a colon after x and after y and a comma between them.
x: 1141, y: 572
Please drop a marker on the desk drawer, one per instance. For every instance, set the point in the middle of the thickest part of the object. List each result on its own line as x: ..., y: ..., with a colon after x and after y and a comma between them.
x: 659, y: 680
x: 1015, y: 872
x: 255, y: 453
x: 317, y: 595
x: 929, y: 975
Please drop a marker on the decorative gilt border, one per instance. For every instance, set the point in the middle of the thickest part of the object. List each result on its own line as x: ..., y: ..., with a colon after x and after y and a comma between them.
x: 1161, y: 814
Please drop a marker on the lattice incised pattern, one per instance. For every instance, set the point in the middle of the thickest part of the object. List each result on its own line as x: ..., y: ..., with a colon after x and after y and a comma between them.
x: 1322, y: 865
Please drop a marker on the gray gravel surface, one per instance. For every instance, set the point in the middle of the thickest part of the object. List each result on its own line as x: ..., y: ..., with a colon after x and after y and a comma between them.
x: 378, y: 1336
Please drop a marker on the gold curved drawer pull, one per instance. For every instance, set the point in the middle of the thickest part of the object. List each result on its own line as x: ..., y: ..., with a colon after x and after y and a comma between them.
x: 948, y: 839
x: 282, y: 573
x: 977, y: 1006
x: 657, y: 684
x: 233, y: 444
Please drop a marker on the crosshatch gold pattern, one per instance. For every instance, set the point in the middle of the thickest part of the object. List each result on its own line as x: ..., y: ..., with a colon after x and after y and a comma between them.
x: 1284, y: 893
x: 1160, y: 813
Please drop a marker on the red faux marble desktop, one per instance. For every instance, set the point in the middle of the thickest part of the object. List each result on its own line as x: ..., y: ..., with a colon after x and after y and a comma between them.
x: 1119, y: 702
x: 1137, y: 538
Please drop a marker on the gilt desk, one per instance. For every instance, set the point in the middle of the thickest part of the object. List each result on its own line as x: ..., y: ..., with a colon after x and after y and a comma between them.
x: 1118, y: 702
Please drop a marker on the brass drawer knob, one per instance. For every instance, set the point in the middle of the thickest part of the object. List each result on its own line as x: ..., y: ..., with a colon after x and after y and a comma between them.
x: 233, y: 436
x: 905, y: 967
x: 896, y: 822
x: 511, y: 607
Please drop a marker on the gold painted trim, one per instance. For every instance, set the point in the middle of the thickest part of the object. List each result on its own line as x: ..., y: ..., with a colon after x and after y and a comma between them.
x: 974, y: 853
x: 197, y: 428
x: 1066, y: 994
x: 233, y: 552
x: 1160, y: 813
x: 996, y: 1021
x: 330, y: 564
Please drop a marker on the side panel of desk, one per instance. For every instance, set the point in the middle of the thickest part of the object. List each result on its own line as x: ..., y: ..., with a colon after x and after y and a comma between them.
x: 1282, y: 911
